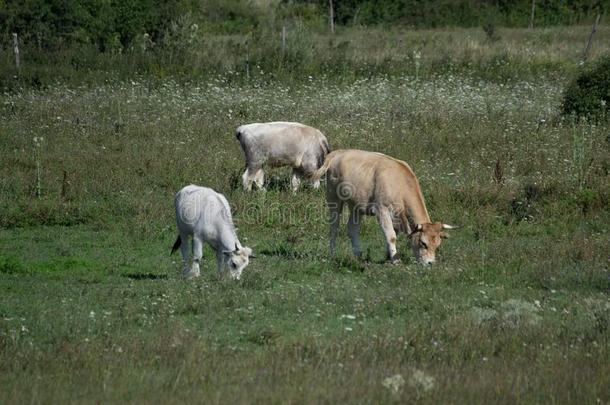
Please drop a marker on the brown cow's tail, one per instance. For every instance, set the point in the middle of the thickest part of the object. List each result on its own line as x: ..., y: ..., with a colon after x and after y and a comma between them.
x: 317, y: 175
x: 176, y: 245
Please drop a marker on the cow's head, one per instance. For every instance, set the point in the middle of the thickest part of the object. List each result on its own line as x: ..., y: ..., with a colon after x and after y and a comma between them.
x: 425, y: 239
x: 237, y: 260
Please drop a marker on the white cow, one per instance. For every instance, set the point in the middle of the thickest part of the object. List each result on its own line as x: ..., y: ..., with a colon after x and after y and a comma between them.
x: 205, y: 215
x: 281, y: 144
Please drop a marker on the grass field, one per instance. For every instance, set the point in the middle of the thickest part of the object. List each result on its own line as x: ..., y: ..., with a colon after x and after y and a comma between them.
x: 93, y: 309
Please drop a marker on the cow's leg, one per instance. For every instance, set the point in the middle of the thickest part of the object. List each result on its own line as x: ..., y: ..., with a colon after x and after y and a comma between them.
x: 247, y: 180
x: 259, y: 179
x: 219, y: 263
x: 334, y: 208
x: 384, y: 217
x: 295, y: 181
x: 184, y: 251
x: 309, y: 169
x: 197, y: 255
x: 353, y: 230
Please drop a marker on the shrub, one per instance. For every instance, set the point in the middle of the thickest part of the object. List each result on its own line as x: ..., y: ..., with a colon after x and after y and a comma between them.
x: 11, y: 265
x: 588, y: 95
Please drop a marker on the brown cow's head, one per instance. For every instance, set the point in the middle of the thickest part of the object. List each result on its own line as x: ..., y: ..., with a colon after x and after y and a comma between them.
x: 425, y: 239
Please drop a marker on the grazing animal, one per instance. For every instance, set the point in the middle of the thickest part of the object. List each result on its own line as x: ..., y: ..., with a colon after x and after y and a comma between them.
x: 205, y: 215
x: 281, y: 144
x: 376, y: 184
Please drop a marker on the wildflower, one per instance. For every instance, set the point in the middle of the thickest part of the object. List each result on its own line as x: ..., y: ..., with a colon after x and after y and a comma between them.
x: 482, y: 315
x: 518, y: 313
x: 394, y: 383
x: 422, y: 381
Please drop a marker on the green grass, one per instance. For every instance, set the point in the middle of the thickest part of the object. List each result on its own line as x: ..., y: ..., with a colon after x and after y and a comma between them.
x: 92, y: 307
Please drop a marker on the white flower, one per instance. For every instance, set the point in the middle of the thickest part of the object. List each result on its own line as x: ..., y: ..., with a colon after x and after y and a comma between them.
x: 394, y: 383
x: 421, y: 381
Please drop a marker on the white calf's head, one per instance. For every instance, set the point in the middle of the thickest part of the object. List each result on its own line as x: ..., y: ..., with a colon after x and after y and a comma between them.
x: 425, y: 239
x: 237, y: 260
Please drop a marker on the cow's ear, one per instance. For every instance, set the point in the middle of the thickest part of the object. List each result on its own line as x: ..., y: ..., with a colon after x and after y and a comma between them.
x: 418, y: 228
x: 247, y: 251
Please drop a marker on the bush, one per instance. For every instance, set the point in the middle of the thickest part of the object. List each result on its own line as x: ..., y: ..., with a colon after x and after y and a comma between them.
x: 588, y: 95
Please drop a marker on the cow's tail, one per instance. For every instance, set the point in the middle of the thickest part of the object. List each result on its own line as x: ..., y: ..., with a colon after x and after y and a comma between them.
x: 317, y: 175
x: 177, y: 244
x: 324, y: 150
x: 325, y: 146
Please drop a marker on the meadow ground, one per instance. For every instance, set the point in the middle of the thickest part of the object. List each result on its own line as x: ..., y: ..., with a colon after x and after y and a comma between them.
x: 92, y: 307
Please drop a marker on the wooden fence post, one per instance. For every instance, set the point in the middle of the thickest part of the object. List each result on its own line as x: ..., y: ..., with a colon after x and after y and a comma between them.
x: 532, y: 14
x: 16, y: 50
x: 247, y: 60
x: 331, y: 16
x: 586, y: 53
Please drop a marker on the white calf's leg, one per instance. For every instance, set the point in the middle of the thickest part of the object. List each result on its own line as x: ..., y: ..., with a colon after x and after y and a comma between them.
x: 197, y: 255
x: 219, y: 264
x: 315, y: 184
x: 353, y: 230
x: 295, y: 181
x: 184, y: 251
x: 385, y: 220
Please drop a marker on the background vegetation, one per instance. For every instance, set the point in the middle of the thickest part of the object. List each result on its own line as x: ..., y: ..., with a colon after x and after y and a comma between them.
x: 94, y: 142
x: 95, y: 40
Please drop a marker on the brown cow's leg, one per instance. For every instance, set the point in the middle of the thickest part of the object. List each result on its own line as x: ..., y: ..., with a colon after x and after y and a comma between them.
x: 385, y: 220
x: 353, y: 230
x: 334, y: 208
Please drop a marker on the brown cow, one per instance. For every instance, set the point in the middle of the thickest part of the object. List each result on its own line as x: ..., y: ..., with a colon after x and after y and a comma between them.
x: 376, y: 184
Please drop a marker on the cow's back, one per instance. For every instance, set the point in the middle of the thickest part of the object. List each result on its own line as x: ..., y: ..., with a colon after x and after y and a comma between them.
x: 200, y: 210
x: 362, y: 177
x: 279, y: 143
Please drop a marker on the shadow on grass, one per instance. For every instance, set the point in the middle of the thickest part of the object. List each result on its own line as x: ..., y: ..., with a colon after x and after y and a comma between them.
x: 285, y: 250
x: 146, y: 276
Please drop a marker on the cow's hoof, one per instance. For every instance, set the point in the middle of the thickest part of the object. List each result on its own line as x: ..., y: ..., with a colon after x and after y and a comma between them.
x: 395, y: 260
x: 190, y: 275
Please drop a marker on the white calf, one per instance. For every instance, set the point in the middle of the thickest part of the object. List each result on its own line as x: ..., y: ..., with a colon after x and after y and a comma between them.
x: 205, y: 215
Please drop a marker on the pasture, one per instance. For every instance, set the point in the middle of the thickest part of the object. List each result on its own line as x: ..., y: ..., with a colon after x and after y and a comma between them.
x: 93, y: 309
